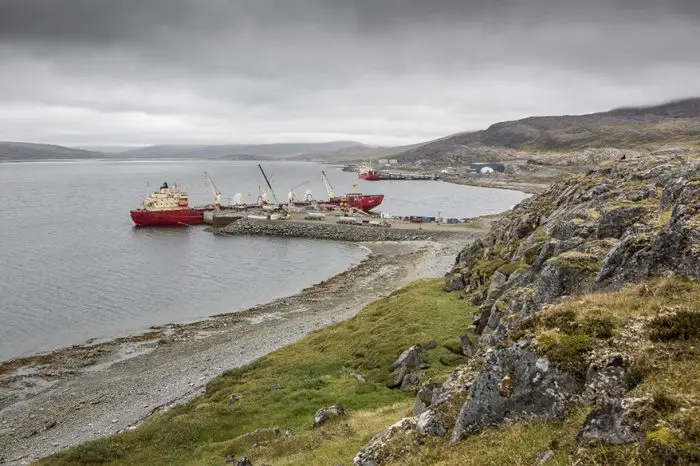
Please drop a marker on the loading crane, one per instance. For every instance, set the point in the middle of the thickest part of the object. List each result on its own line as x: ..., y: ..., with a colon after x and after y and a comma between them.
x: 214, y: 191
x: 329, y: 188
x: 272, y: 191
x: 291, y: 196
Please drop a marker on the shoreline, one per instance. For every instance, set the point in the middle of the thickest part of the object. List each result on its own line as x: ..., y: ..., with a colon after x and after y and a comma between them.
x: 56, y: 400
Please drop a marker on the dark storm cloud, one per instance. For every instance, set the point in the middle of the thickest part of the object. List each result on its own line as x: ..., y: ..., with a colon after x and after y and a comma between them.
x: 385, y: 71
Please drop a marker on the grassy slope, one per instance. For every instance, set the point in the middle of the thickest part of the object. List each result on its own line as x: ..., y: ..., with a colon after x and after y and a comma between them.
x: 655, y: 325
x: 285, y: 389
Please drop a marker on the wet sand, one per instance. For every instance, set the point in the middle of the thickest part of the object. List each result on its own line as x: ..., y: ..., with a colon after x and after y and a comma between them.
x: 54, y: 401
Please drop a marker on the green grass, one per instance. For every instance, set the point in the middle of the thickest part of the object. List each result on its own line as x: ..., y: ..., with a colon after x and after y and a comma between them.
x: 285, y: 389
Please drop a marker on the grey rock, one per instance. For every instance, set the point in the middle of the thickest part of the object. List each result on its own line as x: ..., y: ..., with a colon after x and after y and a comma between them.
x: 544, y: 457
x: 410, y: 359
x: 323, y: 414
x: 428, y: 424
x: 454, y: 282
x: 607, y: 425
x: 536, y: 390
x: 371, y: 453
x: 407, y: 362
x: 424, y: 398
x: 245, y: 461
x: 468, y: 348
x: 556, y: 281
x: 412, y: 380
x: 497, y: 282
x: 614, y: 222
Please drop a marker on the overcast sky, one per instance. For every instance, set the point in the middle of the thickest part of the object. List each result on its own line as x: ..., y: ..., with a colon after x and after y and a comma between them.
x: 134, y: 72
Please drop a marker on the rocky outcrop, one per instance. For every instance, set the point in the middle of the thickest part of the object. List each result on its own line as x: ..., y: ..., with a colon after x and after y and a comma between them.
x: 515, y: 382
x: 323, y: 414
x: 625, y: 222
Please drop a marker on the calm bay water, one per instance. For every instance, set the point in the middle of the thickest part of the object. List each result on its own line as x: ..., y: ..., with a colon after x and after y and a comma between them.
x: 72, y: 266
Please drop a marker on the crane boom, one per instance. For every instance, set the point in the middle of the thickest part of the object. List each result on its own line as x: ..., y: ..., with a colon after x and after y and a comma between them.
x: 272, y: 191
x: 214, y: 190
x: 329, y: 188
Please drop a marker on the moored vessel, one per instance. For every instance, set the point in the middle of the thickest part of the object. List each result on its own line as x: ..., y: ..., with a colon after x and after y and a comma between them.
x: 367, y: 172
x: 167, y: 206
x: 353, y: 199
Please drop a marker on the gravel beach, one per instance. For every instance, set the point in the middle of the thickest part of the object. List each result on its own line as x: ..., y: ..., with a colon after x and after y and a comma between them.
x: 51, y: 402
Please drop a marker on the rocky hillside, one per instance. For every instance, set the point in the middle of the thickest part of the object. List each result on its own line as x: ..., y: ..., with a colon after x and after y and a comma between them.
x: 587, y: 332
x: 672, y: 123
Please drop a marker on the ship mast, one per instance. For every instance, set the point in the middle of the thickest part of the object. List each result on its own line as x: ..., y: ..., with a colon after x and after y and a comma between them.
x: 274, y: 196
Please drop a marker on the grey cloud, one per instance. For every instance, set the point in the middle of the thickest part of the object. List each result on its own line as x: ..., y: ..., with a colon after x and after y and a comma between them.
x: 385, y: 71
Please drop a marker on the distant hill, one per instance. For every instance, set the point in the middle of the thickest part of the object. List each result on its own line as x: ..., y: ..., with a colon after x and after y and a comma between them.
x: 20, y: 151
x: 241, y: 151
x: 676, y: 122
x: 336, y: 150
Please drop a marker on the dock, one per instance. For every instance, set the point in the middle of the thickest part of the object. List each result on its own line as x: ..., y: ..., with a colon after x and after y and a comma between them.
x: 406, y: 176
x: 338, y: 226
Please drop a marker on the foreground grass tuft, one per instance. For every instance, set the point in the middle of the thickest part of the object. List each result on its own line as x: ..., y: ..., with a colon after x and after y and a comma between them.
x: 285, y: 388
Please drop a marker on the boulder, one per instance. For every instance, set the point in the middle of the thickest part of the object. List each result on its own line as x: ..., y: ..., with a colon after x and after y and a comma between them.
x: 607, y: 425
x: 409, y: 361
x: 412, y: 358
x: 515, y: 383
x: 323, y: 414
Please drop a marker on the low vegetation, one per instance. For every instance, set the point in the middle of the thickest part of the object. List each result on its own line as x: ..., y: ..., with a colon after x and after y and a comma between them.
x: 655, y: 326
x: 288, y: 386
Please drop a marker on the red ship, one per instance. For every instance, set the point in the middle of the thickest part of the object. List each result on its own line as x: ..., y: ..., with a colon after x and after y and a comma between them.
x: 357, y: 200
x: 352, y: 199
x: 167, y: 206
x: 368, y: 173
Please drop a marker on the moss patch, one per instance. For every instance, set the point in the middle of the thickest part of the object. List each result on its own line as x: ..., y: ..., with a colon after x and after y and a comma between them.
x: 576, y: 260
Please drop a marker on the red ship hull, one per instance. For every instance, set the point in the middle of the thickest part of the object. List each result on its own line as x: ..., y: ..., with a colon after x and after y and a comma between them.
x: 364, y: 202
x: 369, y: 176
x: 168, y: 217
